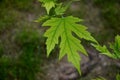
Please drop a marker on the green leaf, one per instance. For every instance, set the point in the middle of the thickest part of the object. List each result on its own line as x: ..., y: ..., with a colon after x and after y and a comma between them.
x: 117, y: 42
x: 48, y: 4
x: 116, y: 47
x: 103, y: 50
x: 42, y: 18
x: 53, y: 33
x: 118, y: 77
x: 63, y: 28
x: 59, y: 10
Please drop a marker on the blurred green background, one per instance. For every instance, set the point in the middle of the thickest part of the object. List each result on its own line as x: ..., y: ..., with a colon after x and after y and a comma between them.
x: 22, y: 45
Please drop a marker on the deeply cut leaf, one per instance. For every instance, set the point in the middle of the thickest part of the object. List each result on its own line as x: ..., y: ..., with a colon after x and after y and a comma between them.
x: 103, y: 50
x: 59, y: 10
x: 48, y: 4
x: 42, y: 18
x: 115, y: 49
x: 62, y: 28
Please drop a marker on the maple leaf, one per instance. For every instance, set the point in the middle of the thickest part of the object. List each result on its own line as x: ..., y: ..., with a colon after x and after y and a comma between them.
x: 70, y: 45
x: 115, y: 48
x: 60, y: 9
x: 42, y: 18
x: 48, y: 4
x: 103, y: 49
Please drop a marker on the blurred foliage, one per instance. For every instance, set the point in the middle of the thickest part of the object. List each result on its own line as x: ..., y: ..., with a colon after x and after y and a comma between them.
x: 27, y: 64
x: 17, y: 32
x: 7, y: 19
x: 17, y: 4
x: 9, y: 14
x: 118, y: 77
x: 110, y: 13
x: 23, y: 68
x: 1, y: 49
x: 27, y: 37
